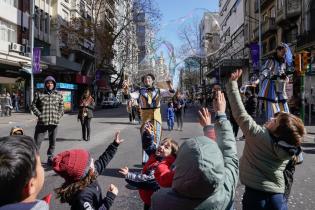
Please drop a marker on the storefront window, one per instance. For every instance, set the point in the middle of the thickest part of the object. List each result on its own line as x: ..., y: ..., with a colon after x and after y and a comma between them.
x: 12, y: 3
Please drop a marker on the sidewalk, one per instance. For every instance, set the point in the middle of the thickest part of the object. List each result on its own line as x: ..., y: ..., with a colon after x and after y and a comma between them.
x: 20, y: 117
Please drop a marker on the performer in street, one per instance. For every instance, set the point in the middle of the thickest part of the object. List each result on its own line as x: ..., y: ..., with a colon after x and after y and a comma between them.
x: 149, y: 98
x: 273, y: 80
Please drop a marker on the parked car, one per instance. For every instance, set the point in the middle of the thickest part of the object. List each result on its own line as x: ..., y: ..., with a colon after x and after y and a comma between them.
x: 110, y: 102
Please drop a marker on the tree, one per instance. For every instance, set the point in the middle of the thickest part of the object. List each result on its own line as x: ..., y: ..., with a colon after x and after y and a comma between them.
x: 97, y: 23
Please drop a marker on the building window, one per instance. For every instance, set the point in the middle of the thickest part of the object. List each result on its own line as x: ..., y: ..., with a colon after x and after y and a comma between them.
x: 82, y: 8
x: 280, y: 4
x: 46, y: 23
x: 273, y: 12
x: 65, y: 15
x: 290, y: 35
x: 13, y: 3
x: 41, y: 22
x: 36, y: 18
x: 8, y: 32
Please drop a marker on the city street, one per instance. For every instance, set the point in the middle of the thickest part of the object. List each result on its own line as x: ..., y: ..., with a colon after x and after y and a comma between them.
x: 107, y: 121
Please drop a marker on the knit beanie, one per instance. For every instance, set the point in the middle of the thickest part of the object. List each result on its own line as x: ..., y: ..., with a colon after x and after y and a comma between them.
x: 72, y: 165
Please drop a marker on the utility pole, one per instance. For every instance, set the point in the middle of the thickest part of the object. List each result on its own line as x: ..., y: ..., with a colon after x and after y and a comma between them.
x: 32, y: 51
x: 259, y: 31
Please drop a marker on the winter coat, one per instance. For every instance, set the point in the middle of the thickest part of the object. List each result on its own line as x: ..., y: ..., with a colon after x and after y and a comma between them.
x: 8, y: 102
x: 86, y: 109
x: 170, y: 113
x: 263, y: 161
x: 251, y: 105
x: 48, y: 106
x: 37, y: 205
x: 206, y: 173
x: 156, y: 173
x: 91, y: 196
x: 178, y: 104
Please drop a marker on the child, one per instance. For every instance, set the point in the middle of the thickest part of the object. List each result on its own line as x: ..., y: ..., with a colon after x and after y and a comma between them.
x: 16, y: 130
x: 206, y: 170
x: 81, y: 189
x: 22, y: 175
x: 157, y: 171
x: 170, y: 116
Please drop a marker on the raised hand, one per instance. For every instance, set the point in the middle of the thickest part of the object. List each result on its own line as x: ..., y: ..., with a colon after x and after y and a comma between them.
x: 148, y: 127
x: 219, y: 103
x: 112, y: 188
x: 205, y: 117
x: 118, y: 140
x: 124, y: 171
x: 236, y: 75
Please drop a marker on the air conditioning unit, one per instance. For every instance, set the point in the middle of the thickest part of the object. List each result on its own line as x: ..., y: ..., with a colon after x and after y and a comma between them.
x: 17, y: 48
x: 24, y: 41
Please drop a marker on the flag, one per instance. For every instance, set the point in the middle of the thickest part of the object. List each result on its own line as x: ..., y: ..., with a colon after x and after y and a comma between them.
x: 36, y: 60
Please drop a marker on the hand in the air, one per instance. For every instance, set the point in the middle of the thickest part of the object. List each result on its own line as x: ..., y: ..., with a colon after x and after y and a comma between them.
x: 236, y: 75
x: 205, y: 117
x: 118, y: 140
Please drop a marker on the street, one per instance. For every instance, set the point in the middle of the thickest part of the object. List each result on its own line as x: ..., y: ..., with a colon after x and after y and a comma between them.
x: 104, y: 125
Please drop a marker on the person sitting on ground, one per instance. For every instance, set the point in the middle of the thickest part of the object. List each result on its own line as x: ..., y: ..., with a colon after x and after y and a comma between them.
x: 157, y: 171
x: 206, y: 170
x: 266, y: 154
x: 81, y: 189
x: 22, y: 175
x: 16, y: 130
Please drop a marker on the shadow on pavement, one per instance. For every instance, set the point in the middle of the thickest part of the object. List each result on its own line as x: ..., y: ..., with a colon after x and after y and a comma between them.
x: 63, y: 139
x: 115, y: 123
x: 309, y: 151
x: 308, y: 144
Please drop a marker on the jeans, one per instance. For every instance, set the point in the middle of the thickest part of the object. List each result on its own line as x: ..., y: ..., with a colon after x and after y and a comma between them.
x: 170, y: 123
x: 259, y: 200
x: 86, y: 128
x: 40, y: 132
x: 179, y: 118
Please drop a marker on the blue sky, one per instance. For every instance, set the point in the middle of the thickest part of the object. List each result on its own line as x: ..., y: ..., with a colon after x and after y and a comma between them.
x: 174, y: 10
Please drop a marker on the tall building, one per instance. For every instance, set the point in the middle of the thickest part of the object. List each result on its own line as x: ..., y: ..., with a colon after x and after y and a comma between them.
x: 209, y: 40
x: 14, y: 49
x: 232, y: 50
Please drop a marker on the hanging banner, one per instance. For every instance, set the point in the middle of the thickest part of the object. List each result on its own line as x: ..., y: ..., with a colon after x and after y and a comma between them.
x: 36, y: 60
x: 254, y: 51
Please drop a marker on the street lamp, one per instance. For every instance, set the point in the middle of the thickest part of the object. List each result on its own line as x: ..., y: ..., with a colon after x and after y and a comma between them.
x: 259, y: 26
x: 32, y: 51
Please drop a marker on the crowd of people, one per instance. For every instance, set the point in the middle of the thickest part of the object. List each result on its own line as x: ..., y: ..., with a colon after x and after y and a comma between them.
x: 202, y: 173
x: 8, y: 103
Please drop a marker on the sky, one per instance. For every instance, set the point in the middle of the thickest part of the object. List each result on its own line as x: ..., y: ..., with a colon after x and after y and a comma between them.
x: 173, y: 11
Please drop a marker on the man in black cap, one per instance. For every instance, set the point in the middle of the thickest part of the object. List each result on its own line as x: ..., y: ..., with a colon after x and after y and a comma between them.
x: 48, y: 107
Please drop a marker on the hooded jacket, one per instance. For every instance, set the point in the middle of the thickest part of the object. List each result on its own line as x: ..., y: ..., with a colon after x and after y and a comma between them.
x: 48, y: 106
x: 206, y: 173
x: 263, y: 161
x: 37, y: 205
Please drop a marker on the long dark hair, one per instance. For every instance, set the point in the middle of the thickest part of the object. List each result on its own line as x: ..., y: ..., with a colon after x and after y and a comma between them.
x: 67, y: 192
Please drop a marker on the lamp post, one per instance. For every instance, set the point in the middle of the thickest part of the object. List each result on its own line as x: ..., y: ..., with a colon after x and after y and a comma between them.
x: 32, y: 51
x: 259, y: 31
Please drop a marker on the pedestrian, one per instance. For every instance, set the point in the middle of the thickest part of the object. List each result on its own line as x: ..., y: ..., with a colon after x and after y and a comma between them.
x: 8, y: 105
x: 268, y: 149
x: 179, y: 110
x: 131, y: 110
x: 170, y: 116
x: 22, y: 175
x: 81, y: 189
x: 85, y: 114
x: 206, y: 170
x: 17, y: 102
x: 157, y: 172
x: 149, y: 99
x: 48, y: 107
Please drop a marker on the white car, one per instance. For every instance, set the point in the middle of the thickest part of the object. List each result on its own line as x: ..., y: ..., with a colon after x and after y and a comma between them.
x: 110, y: 102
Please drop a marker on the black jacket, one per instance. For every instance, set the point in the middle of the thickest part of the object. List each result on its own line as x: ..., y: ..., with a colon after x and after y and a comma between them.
x: 91, y: 197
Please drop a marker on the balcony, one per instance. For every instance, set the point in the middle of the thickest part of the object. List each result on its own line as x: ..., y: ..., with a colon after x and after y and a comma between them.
x: 306, y: 39
x: 268, y: 27
x: 263, y: 4
x: 290, y: 9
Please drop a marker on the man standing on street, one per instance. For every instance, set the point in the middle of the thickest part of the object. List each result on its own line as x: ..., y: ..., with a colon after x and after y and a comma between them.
x: 48, y: 107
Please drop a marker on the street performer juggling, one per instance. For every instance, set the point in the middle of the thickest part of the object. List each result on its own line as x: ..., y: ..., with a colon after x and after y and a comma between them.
x: 149, y: 98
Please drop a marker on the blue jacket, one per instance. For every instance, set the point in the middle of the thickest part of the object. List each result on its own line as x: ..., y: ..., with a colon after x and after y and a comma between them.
x: 170, y: 113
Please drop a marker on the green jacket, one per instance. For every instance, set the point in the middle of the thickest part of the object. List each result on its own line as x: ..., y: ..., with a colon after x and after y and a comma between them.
x: 206, y: 173
x: 263, y: 162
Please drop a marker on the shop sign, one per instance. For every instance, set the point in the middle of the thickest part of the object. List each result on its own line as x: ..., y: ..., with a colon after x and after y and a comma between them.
x: 67, y: 86
x: 82, y: 79
x: 36, y: 60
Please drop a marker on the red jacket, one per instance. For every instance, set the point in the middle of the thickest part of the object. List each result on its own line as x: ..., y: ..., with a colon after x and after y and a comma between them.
x: 163, y: 175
